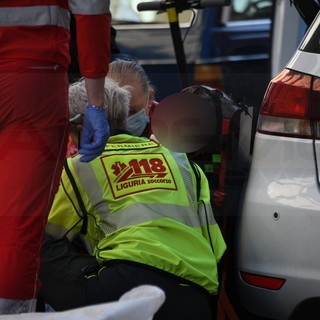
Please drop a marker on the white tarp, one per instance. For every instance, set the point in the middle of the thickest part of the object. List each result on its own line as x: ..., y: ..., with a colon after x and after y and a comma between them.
x: 140, y: 303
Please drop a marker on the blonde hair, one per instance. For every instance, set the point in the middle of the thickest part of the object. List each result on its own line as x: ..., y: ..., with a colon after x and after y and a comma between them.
x: 117, y: 102
x: 122, y: 71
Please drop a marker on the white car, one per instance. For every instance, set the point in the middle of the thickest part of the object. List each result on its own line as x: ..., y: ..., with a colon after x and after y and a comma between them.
x: 278, y: 231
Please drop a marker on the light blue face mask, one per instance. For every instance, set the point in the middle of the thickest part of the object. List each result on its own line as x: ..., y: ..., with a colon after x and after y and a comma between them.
x: 137, y: 122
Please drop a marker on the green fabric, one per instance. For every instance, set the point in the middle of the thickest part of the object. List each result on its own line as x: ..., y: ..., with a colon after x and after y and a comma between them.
x: 141, y: 200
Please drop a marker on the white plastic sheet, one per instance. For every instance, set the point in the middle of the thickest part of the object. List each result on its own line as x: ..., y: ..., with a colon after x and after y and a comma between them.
x: 140, y: 303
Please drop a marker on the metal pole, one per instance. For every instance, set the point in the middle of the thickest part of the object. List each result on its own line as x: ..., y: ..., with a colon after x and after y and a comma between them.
x: 172, y: 14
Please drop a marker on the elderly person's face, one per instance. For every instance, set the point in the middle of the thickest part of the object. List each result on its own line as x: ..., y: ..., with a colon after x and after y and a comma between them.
x: 140, y: 102
x: 140, y: 99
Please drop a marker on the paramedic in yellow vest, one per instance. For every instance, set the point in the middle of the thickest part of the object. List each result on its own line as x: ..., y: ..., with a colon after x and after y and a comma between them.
x: 142, y: 220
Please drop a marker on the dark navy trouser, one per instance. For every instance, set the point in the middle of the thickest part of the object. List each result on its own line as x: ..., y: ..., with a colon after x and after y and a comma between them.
x: 72, y: 280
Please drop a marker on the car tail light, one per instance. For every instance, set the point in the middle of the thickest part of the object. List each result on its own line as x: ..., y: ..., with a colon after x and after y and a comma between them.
x: 265, y: 282
x: 291, y: 106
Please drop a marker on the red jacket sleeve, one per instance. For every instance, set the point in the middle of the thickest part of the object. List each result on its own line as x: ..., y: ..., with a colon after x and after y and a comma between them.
x: 93, y: 41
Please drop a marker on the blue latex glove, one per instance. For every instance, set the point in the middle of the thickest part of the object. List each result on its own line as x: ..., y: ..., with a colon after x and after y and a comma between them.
x: 96, y: 132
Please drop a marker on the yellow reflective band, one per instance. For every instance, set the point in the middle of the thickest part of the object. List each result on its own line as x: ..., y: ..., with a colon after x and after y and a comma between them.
x: 136, y: 173
x: 128, y: 146
x: 172, y: 15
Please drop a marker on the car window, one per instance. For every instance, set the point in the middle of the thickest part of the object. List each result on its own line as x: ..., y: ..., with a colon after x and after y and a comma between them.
x: 250, y: 10
x: 125, y: 12
x: 311, y: 42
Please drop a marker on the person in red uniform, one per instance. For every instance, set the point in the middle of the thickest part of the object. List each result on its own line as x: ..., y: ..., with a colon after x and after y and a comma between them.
x: 34, y: 116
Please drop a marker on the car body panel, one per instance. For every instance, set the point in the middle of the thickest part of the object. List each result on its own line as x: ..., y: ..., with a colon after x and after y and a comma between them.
x: 277, y: 232
x: 283, y: 244
x: 305, y: 62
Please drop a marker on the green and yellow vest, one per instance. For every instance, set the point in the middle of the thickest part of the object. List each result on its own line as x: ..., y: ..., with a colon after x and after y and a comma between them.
x: 143, y: 203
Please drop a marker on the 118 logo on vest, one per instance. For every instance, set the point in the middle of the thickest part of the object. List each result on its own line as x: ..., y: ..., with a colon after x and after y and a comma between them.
x: 131, y: 173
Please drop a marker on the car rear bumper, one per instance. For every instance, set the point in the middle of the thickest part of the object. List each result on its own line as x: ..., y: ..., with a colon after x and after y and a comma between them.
x: 278, y: 229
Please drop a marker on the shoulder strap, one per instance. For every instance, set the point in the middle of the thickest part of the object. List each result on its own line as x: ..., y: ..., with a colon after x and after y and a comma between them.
x: 198, y: 181
x: 78, y: 195
x: 198, y: 177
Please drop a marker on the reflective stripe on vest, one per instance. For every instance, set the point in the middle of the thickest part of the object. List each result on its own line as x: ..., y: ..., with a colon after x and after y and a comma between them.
x: 35, y: 16
x: 89, y: 6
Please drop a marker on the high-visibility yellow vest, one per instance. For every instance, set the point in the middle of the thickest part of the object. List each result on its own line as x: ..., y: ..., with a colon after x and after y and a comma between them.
x: 142, y: 205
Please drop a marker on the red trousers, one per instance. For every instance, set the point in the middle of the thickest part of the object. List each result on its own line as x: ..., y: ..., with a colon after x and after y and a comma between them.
x: 33, y: 137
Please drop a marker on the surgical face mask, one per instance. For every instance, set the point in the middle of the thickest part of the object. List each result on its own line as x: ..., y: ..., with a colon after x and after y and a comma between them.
x: 137, y: 122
